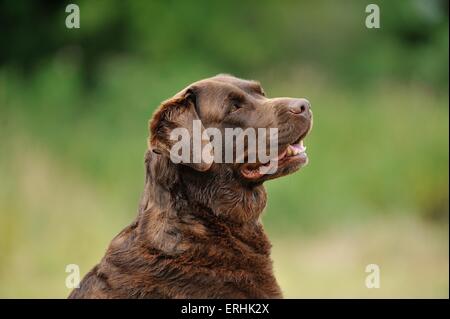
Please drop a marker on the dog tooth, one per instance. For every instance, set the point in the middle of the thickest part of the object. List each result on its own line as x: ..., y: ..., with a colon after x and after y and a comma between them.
x: 289, y: 150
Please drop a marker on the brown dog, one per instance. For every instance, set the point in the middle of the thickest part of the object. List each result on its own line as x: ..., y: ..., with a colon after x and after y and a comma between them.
x: 198, y: 232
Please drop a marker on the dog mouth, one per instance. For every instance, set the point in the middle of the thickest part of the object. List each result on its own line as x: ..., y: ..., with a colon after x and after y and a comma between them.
x: 292, y: 156
x: 292, y: 150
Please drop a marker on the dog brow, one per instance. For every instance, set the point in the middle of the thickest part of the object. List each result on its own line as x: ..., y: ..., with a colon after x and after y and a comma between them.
x: 255, y: 86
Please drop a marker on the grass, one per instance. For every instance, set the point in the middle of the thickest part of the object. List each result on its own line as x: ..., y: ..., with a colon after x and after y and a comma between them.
x: 412, y: 256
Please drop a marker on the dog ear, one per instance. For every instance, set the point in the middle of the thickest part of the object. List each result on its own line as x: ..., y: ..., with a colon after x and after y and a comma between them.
x: 180, y: 112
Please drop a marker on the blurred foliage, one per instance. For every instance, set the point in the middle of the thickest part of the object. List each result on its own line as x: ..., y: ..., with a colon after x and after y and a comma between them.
x: 74, y: 106
x: 236, y: 35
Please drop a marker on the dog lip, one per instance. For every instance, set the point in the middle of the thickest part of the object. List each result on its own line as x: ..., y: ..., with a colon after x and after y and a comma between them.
x: 299, y: 139
x: 282, y: 154
x: 299, y: 160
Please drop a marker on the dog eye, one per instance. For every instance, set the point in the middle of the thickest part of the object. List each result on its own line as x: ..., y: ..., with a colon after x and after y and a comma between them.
x: 235, y: 106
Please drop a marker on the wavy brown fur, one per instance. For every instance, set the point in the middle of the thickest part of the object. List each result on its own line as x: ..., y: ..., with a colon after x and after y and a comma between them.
x: 180, y: 248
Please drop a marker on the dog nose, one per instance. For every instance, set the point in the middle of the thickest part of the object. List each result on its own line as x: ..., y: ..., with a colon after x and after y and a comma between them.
x: 301, y: 107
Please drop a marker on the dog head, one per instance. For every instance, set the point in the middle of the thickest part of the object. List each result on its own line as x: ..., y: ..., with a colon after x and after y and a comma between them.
x: 230, y: 125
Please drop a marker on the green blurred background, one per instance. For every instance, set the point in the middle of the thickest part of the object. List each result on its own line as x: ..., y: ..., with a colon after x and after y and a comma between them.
x: 74, y: 105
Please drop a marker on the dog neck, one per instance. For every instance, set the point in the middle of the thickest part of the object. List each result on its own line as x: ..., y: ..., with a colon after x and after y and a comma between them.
x: 217, y: 191
x: 178, y: 200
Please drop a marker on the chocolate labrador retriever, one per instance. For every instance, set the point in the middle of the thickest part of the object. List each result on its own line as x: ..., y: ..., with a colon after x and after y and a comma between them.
x: 198, y: 233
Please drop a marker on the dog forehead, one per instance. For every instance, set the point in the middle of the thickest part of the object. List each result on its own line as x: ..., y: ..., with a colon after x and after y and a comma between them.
x: 246, y: 85
x: 212, y: 92
x: 228, y: 82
